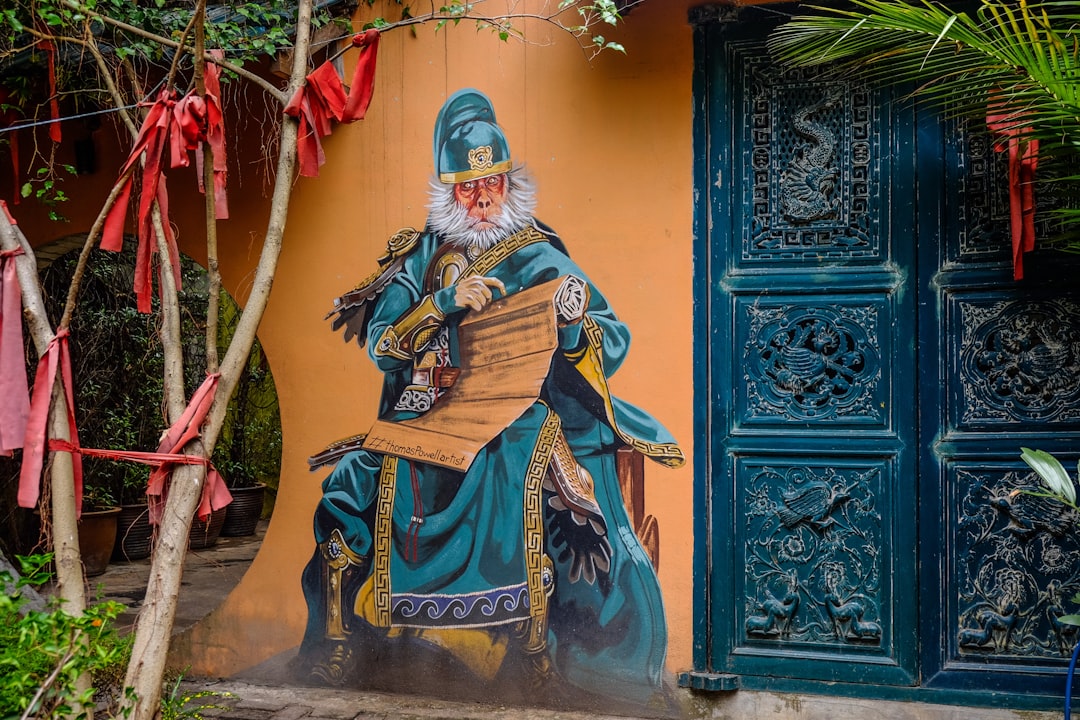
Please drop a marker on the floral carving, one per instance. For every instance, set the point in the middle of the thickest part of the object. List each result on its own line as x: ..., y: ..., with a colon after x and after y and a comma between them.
x: 1021, y: 361
x: 1015, y: 567
x: 813, y: 362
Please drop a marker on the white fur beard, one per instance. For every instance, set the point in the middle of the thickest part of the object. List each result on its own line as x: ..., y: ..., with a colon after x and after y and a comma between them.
x: 451, y: 221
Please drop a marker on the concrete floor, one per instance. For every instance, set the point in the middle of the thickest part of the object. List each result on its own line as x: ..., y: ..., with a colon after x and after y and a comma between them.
x: 209, y: 575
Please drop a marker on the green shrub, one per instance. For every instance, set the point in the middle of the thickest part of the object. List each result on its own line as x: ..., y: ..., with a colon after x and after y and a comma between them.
x: 44, y: 652
x: 181, y: 703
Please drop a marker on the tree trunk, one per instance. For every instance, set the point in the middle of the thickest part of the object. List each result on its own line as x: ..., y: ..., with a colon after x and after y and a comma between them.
x: 70, y: 580
x: 155, y: 622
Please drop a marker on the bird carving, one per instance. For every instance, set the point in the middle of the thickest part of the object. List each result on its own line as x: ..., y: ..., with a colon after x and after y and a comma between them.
x: 811, y: 504
x: 1028, y: 513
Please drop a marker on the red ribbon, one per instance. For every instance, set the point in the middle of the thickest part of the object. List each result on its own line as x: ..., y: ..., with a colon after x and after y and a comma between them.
x: 212, y: 497
x: 363, y: 83
x: 54, y: 100
x: 323, y: 97
x: 155, y: 134
x: 215, y: 135
x: 181, y: 125
x: 214, y: 494
x: 189, y: 119
x: 14, y: 390
x: 1023, y: 160
x: 57, y: 356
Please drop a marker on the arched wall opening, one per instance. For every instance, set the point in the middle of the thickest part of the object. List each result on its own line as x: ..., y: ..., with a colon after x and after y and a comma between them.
x: 118, y: 365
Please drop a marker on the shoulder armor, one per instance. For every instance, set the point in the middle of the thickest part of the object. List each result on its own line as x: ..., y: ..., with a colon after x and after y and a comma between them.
x: 401, y: 243
x: 353, y: 309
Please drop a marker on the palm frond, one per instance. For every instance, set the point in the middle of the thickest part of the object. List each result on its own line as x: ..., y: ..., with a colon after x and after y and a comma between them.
x: 1014, y: 58
x: 1013, y: 48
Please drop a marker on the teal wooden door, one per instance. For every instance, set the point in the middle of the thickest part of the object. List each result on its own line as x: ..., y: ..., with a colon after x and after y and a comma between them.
x: 810, y: 372
x: 1000, y: 369
x: 870, y: 373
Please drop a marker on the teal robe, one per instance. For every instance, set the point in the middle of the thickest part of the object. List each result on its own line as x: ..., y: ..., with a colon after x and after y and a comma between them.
x: 464, y: 566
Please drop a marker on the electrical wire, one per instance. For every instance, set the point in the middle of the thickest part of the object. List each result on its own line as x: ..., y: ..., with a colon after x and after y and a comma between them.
x: 22, y: 125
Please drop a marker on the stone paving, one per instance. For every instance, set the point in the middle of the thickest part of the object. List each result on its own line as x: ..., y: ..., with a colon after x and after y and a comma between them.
x: 259, y: 702
x: 210, y: 574
x: 253, y: 701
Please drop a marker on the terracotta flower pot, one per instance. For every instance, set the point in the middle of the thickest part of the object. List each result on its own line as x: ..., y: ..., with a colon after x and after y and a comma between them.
x: 97, y: 535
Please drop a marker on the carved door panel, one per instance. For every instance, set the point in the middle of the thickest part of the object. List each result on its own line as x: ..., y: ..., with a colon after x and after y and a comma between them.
x: 811, y: 318
x: 872, y: 372
x: 1003, y: 371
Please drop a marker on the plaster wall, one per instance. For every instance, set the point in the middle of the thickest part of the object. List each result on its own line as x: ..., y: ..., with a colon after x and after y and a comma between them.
x: 608, y: 141
x: 609, y: 145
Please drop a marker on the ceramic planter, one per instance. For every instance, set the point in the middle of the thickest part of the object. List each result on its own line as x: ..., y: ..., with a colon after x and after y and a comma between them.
x: 134, y: 533
x: 205, y: 534
x: 97, y: 535
x: 243, y: 513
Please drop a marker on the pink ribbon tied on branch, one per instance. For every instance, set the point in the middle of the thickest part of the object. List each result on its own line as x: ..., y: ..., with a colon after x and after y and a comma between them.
x: 1023, y: 161
x: 57, y: 357
x: 14, y: 390
x: 152, y: 139
x: 197, y: 120
x: 215, y: 495
x: 215, y: 136
x: 323, y: 98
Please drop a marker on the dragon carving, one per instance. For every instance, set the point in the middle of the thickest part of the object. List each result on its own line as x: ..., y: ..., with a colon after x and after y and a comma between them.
x: 808, y: 182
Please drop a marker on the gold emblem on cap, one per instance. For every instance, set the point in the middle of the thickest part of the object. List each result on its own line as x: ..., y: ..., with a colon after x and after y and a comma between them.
x: 480, y: 158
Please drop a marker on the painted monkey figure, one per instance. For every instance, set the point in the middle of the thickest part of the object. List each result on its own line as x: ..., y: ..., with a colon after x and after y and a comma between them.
x: 521, y: 569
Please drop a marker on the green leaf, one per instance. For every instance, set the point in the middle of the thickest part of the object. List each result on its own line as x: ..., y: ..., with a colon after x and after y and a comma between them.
x: 26, y: 189
x: 13, y: 20
x: 608, y: 11
x: 1051, y: 471
x: 943, y: 33
x: 1069, y: 619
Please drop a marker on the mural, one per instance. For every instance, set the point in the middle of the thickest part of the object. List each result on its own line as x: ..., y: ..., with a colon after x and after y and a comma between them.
x: 476, y: 537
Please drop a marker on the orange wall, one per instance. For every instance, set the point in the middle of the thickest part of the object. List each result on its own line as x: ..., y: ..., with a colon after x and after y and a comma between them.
x: 609, y: 143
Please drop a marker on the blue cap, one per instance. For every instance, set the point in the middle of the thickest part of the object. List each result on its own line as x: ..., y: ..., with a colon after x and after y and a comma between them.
x: 468, y: 143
